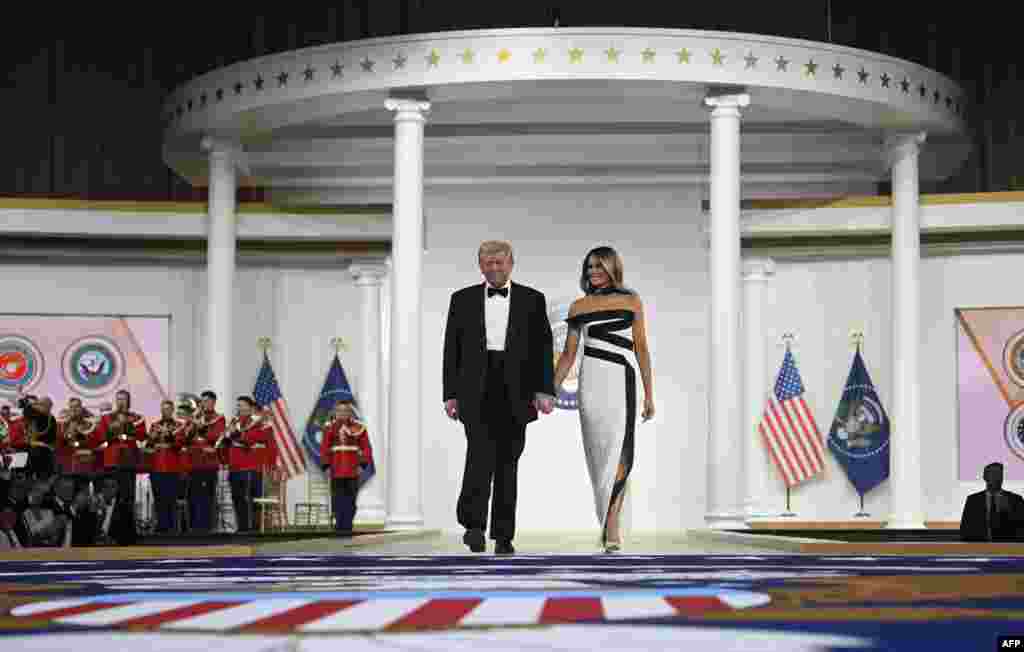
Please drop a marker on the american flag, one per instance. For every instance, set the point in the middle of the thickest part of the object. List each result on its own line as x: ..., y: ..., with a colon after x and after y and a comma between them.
x: 268, y: 396
x: 788, y: 428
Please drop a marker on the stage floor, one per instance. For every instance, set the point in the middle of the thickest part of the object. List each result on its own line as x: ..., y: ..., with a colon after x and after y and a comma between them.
x: 428, y: 593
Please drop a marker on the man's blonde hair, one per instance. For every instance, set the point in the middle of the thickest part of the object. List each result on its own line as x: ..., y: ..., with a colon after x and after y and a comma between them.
x: 494, y: 248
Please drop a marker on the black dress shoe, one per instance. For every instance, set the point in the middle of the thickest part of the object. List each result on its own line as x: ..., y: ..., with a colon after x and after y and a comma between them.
x: 475, y: 540
x: 504, y: 548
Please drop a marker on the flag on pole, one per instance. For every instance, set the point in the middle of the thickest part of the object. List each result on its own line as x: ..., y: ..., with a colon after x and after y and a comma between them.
x: 859, y: 437
x: 789, y: 430
x: 267, y: 394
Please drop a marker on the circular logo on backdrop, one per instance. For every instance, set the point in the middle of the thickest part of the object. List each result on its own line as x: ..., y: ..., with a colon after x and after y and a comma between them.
x: 21, y: 363
x: 1013, y: 358
x: 1014, y: 431
x: 92, y: 365
x: 567, y: 395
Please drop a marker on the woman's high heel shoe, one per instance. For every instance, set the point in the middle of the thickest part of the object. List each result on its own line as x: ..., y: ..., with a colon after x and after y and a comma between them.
x: 612, y: 546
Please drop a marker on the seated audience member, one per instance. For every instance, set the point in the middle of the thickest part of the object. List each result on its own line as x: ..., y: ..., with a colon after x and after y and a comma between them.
x: 43, y: 526
x: 993, y: 514
x: 115, y: 516
x: 8, y: 537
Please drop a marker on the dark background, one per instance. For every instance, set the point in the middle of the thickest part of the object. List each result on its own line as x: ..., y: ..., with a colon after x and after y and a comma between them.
x: 82, y: 87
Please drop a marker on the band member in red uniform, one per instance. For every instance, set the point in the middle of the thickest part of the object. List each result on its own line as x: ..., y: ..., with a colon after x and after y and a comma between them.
x: 40, y: 434
x: 117, y: 440
x: 202, y: 464
x: 247, y: 440
x: 76, y: 429
x: 164, y: 445
x: 345, y: 448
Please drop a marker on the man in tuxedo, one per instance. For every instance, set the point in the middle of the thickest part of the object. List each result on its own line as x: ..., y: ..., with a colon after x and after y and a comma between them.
x: 993, y: 514
x: 498, y: 373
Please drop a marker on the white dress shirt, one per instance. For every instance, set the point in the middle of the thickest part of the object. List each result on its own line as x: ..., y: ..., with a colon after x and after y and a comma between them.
x: 496, y: 310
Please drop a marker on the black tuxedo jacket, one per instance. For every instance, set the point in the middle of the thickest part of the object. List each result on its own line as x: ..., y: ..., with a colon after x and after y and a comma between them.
x: 974, y: 522
x: 529, y: 357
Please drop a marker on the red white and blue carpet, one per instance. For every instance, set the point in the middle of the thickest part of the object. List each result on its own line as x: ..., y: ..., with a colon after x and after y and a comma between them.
x: 483, y: 603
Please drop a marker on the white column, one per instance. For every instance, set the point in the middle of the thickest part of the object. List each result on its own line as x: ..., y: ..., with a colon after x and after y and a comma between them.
x: 220, y: 269
x: 757, y: 273
x: 405, y: 498
x: 373, y: 497
x: 905, y: 442
x: 726, y: 414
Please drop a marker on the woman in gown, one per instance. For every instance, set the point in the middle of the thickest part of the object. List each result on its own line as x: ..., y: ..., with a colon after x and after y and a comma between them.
x: 603, y: 320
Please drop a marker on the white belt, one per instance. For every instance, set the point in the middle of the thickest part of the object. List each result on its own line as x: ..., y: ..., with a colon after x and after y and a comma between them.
x: 84, y: 453
x: 259, y: 445
x: 335, y: 449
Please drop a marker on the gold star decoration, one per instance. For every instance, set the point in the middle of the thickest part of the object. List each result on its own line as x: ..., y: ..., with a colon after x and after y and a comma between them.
x: 399, y: 61
x: 751, y: 60
x: 810, y: 68
x: 648, y: 55
x: 613, y: 55
x: 575, y: 55
x: 433, y: 58
x: 837, y: 71
x: 539, y: 54
x: 717, y: 57
x: 683, y: 55
x: 467, y: 56
x: 504, y: 55
x: 367, y: 64
x: 781, y: 63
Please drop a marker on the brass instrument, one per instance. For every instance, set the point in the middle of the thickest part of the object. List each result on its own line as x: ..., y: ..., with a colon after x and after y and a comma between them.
x: 5, y: 433
x: 161, y: 434
x: 189, y: 407
x: 76, y: 431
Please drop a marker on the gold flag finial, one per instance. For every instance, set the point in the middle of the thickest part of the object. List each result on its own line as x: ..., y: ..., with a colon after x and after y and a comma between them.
x: 788, y: 339
x: 338, y: 344
x: 857, y: 337
x: 263, y: 343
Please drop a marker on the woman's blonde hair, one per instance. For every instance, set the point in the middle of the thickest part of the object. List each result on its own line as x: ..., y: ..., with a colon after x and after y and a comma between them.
x: 610, y: 261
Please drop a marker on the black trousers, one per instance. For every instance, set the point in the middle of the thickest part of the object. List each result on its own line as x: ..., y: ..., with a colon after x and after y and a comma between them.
x: 201, y: 491
x: 245, y: 485
x: 493, y: 449
x: 343, y: 494
x: 166, y: 487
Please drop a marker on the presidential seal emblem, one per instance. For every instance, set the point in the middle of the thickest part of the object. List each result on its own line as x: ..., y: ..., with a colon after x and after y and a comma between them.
x: 92, y: 366
x: 1013, y: 431
x: 21, y: 363
x: 1013, y: 358
x: 859, y: 433
x: 567, y: 398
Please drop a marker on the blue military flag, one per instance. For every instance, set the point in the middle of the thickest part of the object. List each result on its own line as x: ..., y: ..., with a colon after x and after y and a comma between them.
x: 335, y: 388
x: 859, y: 437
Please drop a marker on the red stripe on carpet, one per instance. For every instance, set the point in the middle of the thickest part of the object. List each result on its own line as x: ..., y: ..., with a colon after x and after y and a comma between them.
x: 178, y: 613
x: 299, y: 615
x: 74, y: 611
x: 443, y: 612
x: 697, y: 604
x: 570, y: 610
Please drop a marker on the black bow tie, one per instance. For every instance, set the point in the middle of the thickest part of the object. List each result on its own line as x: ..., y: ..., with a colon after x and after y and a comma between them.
x: 492, y: 291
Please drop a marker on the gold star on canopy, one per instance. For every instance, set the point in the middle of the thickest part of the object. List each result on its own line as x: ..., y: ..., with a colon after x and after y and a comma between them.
x: 433, y: 58
x: 781, y: 63
x: 504, y: 55
x: 613, y: 55
x: 810, y: 68
x: 575, y: 55
x: 539, y: 54
x: 367, y: 64
x: 684, y: 56
x: 648, y: 55
x: 717, y: 57
x: 837, y: 71
x: 399, y: 61
x: 467, y: 56
x: 751, y: 60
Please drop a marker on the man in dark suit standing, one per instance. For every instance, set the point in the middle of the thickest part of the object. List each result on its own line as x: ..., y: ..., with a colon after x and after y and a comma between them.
x: 498, y: 373
x: 993, y: 514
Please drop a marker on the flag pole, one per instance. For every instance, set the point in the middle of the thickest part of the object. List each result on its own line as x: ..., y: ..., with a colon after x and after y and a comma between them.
x: 857, y: 337
x: 787, y: 339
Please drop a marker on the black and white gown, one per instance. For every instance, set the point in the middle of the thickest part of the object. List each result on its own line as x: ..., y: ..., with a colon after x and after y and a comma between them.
x: 607, y: 399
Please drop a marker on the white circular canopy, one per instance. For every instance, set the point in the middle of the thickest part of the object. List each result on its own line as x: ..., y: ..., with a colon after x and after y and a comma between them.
x: 561, y: 106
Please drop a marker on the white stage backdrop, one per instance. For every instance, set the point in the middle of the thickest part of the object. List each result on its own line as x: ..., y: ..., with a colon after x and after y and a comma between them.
x: 89, y: 357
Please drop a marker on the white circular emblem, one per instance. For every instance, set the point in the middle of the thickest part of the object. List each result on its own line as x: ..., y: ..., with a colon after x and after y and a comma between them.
x: 1013, y: 358
x: 92, y: 366
x: 1014, y: 431
x: 21, y: 364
